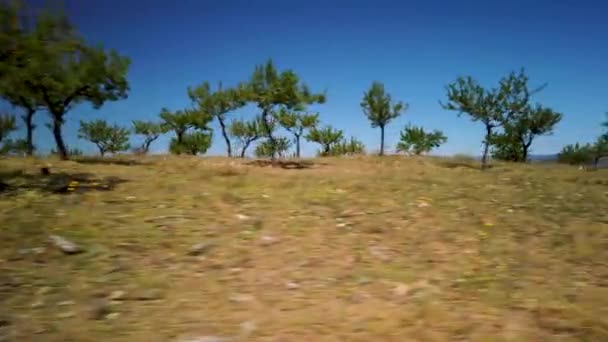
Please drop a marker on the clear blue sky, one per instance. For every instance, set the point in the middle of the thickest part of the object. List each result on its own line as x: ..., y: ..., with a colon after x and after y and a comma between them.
x: 414, y: 47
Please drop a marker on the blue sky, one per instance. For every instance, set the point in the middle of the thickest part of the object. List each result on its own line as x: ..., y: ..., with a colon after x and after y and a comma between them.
x: 414, y: 47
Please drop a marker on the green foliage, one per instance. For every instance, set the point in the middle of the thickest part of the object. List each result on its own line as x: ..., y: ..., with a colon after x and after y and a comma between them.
x: 347, y: 147
x: 327, y: 137
x: 7, y: 125
x: 465, y: 95
x: 218, y: 104
x: 417, y: 141
x: 13, y: 59
x: 521, y: 121
x: 268, y: 149
x: 378, y: 107
x: 181, y: 121
x: 108, y: 138
x: 54, y: 66
x: 150, y: 131
x: 576, y: 154
x: 14, y: 147
x: 296, y: 123
x: 270, y: 90
x: 193, y: 143
x: 507, y: 107
x: 246, y: 132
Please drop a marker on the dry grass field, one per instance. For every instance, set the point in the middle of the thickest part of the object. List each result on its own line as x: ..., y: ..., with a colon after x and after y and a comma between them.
x: 350, y: 249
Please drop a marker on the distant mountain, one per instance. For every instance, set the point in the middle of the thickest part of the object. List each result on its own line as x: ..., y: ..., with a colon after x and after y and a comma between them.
x: 543, y: 157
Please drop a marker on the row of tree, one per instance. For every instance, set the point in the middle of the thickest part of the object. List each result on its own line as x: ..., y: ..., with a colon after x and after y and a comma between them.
x: 46, y: 65
x: 585, y: 154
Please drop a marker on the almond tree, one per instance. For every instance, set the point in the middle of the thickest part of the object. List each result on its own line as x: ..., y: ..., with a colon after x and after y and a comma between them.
x: 271, y: 90
x: 246, y: 132
x: 416, y: 140
x: 327, y: 137
x: 521, y: 121
x: 13, y: 65
x: 150, y: 131
x: 296, y: 123
x: 380, y: 111
x: 61, y: 70
x: 218, y: 103
x: 108, y: 138
x: 465, y: 95
x: 180, y: 122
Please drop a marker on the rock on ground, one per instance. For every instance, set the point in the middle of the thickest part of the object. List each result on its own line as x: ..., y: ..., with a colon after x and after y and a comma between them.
x: 66, y: 246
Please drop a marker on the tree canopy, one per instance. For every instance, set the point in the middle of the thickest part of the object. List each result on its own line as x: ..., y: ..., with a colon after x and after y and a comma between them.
x: 327, y: 137
x: 246, y: 132
x: 416, y: 140
x: 218, y: 103
x: 379, y: 108
x: 61, y: 70
x: 511, y: 121
x: 271, y: 90
x: 296, y: 123
x: 150, y: 132
x: 7, y: 125
x: 107, y: 138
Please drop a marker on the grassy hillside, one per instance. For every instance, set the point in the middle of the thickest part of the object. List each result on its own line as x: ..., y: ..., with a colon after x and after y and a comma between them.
x: 360, y: 249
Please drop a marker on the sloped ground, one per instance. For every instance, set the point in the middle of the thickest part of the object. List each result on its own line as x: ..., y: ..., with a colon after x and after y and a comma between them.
x: 363, y: 249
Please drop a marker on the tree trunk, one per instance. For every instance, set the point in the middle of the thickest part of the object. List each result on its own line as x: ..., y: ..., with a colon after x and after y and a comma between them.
x: 245, y: 147
x: 180, y: 138
x: 297, y: 146
x: 29, y: 125
x: 596, y: 161
x: 225, y: 135
x: 382, y: 140
x: 102, y: 152
x: 524, y: 153
x: 61, y: 149
x: 268, y: 132
x: 146, y: 146
x: 486, y: 147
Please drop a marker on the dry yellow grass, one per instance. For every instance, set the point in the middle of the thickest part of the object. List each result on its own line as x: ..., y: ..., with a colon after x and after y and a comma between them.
x: 359, y: 249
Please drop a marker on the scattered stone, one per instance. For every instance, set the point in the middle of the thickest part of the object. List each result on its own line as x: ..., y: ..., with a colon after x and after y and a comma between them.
x: 267, y: 240
x: 66, y: 303
x: 380, y: 253
x: 113, y: 315
x: 242, y: 217
x: 341, y: 225
x: 37, y: 304
x: 423, y: 204
x: 200, y: 248
x: 64, y: 315
x: 265, y: 196
x: 43, y: 290
x: 248, y: 327
x: 38, y: 250
x: 130, y: 198
x: 206, y: 339
x: 401, y: 290
x: 292, y: 286
x: 117, y: 295
x: 148, y: 294
x: 241, y: 298
x: 65, y: 245
x: 41, y: 330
